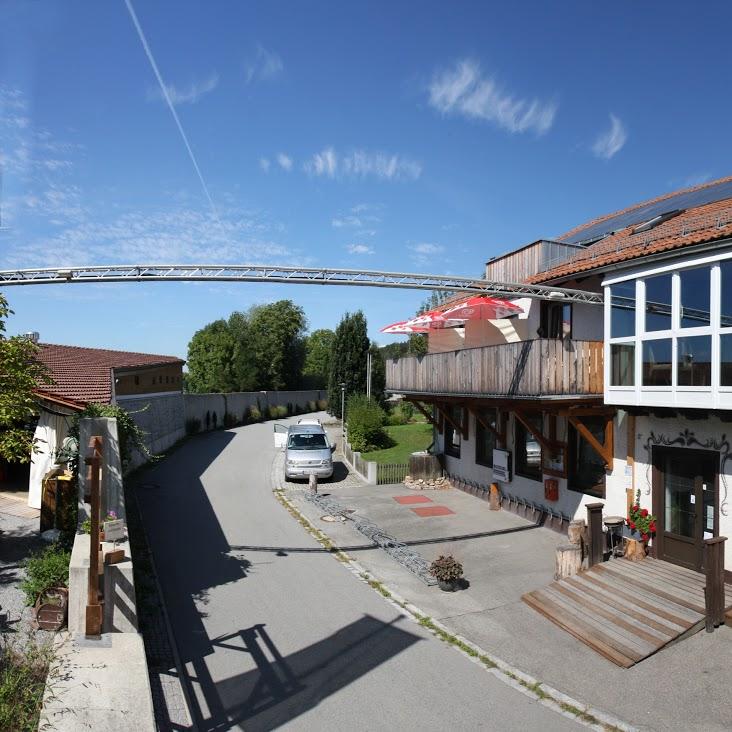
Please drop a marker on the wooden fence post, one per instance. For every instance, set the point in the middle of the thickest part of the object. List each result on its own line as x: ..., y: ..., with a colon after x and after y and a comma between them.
x: 595, y: 534
x: 93, y: 605
x: 714, y: 589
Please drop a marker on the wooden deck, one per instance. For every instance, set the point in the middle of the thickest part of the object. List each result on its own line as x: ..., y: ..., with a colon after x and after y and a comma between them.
x: 626, y: 611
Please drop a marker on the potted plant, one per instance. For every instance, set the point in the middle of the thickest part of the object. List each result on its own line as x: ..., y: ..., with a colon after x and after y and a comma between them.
x: 641, y: 523
x: 447, y: 571
x: 46, y: 586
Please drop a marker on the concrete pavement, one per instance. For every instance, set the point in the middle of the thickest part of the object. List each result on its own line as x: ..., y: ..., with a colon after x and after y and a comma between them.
x: 277, y: 639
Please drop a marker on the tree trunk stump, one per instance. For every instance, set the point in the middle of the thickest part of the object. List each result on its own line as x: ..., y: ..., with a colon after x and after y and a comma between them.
x: 635, y: 550
x: 568, y: 560
x: 576, y: 531
x: 495, y: 498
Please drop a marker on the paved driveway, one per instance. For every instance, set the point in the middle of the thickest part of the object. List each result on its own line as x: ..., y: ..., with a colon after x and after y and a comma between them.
x: 280, y: 639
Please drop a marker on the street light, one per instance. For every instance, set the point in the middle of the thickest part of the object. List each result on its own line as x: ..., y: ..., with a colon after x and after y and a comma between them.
x: 343, y: 409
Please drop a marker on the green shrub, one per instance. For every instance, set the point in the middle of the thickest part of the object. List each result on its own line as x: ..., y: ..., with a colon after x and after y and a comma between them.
x: 322, y: 404
x: 402, y: 413
x: 45, y: 569
x: 23, y: 671
x: 281, y: 412
x: 193, y: 426
x: 312, y: 406
x: 366, y: 422
x: 255, y: 414
x: 229, y: 420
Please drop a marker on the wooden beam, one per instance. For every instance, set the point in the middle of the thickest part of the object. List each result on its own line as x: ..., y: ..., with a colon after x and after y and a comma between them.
x: 538, y: 435
x: 429, y: 417
x: 604, y: 451
x: 457, y: 427
x: 500, y: 436
x: 586, y: 412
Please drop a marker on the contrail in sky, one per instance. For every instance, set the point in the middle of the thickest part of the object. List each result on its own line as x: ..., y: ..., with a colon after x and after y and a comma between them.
x: 171, y: 107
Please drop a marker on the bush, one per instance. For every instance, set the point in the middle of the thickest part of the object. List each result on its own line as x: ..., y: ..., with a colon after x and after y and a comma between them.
x: 255, y: 414
x: 23, y: 672
x: 402, y: 413
x: 366, y: 422
x: 312, y: 406
x: 322, y: 404
x: 229, y: 420
x: 193, y: 426
x: 45, y: 569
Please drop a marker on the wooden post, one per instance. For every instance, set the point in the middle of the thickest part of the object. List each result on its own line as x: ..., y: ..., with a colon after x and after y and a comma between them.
x: 595, y: 534
x: 495, y: 498
x: 714, y: 589
x: 93, y: 606
x: 568, y: 560
x: 575, y: 531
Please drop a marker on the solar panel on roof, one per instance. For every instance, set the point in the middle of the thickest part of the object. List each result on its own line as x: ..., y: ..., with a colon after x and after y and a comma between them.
x: 684, y: 200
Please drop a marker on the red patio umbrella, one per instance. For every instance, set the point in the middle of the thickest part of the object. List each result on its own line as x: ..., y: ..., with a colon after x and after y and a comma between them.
x: 481, y: 307
x: 435, y: 319
x: 403, y: 326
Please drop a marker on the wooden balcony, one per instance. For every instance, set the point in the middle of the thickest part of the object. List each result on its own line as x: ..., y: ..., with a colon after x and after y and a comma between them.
x: 527, y: 369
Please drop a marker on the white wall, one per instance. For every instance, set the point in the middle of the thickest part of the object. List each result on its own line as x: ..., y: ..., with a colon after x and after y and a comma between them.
x: 711, y: 433
x: 571, y: 503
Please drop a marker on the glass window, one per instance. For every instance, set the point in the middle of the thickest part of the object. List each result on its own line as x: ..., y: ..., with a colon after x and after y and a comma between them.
x: 452, y: 436
x: 694, y: 361
x: 528, y: 450
x: 657, y: 362
x: 725, y: 357
x: 622, y: 364
x: 485, y: 440
x: 658, y: 303
x: 695, y: 286
x: 725, y: 295
x: 622, y: 310
x: 586, y: 467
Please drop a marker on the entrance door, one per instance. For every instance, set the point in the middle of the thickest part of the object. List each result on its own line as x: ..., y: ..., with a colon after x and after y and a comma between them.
x: 685, y: 503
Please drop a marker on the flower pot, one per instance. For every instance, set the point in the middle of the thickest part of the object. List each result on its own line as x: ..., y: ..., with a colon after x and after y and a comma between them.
x: 447, y: 585
x: 51, y: 608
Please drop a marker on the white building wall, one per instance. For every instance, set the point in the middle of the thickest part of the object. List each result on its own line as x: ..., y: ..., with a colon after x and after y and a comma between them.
x: 709, y: 434
x: 571, y: 503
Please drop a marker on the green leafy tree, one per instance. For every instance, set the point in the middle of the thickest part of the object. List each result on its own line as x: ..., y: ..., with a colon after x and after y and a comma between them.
x: 378, y: 374
x: 318, y: 349
x: 417, y: 343
x: 211, y: 359
x: 20, y: 374
x: 277, y: 341
x: 243, y: 366
x: 348, y: 360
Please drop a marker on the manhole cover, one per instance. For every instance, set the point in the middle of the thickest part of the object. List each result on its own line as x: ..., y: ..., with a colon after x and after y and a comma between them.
x: 332, y: 519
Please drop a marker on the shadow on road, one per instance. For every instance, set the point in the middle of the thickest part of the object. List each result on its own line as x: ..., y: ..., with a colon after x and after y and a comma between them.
x: 282, y: 688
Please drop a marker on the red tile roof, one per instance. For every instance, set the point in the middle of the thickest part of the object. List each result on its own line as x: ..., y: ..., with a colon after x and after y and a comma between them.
x: 85, y: 374
x: 697, y: 225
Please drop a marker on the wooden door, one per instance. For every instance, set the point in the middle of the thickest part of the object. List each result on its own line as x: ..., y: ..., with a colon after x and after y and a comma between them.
x: 685, y: 489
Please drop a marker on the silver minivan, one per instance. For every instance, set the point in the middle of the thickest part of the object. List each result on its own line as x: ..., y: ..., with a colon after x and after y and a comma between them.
x: 307, y: 450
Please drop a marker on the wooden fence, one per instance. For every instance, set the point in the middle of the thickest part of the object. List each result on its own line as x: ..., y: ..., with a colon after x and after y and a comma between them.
x: 540, y: 367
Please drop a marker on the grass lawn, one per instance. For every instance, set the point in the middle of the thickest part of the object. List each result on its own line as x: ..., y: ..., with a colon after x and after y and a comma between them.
x: 409, y: 438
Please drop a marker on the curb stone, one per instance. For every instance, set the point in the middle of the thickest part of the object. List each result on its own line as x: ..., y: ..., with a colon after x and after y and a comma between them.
x: 505, y: 672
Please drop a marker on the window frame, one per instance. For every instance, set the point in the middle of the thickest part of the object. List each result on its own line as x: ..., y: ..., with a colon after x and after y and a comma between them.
x: 520, y: 464
x: 573, y: 452
x: 488, y: 461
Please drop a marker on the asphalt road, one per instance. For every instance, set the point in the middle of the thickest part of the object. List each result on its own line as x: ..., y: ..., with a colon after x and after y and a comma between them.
x: 274, y: 640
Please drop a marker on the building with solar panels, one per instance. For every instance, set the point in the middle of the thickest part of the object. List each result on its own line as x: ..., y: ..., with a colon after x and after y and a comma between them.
x: 568, y: 404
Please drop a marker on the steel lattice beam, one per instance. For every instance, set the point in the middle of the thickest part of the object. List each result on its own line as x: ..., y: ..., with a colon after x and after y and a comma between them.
x: 296, y: 275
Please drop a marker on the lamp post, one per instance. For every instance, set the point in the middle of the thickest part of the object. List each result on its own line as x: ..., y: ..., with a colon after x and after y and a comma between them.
x: 343, y: 410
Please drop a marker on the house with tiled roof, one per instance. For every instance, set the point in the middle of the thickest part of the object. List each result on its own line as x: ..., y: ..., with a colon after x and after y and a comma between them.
x: 81, y: 376
x: 567, y: 404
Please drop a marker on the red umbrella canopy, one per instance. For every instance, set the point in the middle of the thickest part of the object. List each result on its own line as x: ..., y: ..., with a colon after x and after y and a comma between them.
x: 435, y: 319
x: 403, y: 326
x: 481, y: 307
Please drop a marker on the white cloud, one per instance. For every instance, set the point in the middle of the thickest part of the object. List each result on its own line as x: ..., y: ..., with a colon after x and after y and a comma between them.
x: 264, y: 164
x: 464, y: 90
x: 425, y: 252
x: 284, y: 161
x: 359, y: 249
x: 189, y: 95
x: 362, y: 164
x: 264, y: 66
x: 611, y: 141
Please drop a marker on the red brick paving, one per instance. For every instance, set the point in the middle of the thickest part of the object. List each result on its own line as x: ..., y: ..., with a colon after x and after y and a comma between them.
x: 412, y: 499
x: 432, y: 511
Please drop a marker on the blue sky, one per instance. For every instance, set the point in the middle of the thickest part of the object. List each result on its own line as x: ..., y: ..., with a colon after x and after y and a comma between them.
x: 380, y: 135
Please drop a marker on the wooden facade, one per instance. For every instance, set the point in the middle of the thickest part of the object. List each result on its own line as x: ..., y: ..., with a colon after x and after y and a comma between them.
x: 516, y: 266
x: 537, y: 368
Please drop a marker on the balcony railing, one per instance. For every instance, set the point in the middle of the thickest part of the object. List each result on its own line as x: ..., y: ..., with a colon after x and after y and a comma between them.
x: 537, y: 368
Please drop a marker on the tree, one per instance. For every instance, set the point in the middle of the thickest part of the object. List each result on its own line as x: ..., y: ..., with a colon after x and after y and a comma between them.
x: 243, y: 366
x: 20, y: 374
x: 378, y: 374
x: 276, y: 335
x: 211, y: 359
x: 417, y: 343
x: 348, y: 360
x: 318, y: 349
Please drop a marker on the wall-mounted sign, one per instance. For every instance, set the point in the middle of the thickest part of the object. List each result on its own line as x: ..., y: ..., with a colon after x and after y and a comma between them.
x: 502, y: 465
